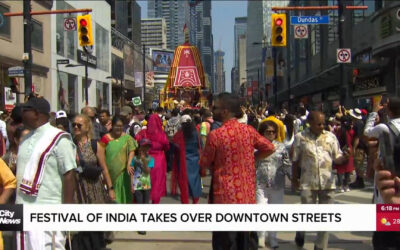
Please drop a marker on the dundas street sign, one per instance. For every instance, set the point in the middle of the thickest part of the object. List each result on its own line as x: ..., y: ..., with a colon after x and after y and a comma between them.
x: 296, y: 20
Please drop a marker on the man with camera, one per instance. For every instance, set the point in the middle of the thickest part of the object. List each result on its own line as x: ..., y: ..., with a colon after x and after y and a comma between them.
x: 387, y: 166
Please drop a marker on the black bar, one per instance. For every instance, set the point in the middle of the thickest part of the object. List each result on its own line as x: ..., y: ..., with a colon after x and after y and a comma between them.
x: 27, y: 47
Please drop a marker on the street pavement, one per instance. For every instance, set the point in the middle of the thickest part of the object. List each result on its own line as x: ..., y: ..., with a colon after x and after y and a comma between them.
x: 202, y: 240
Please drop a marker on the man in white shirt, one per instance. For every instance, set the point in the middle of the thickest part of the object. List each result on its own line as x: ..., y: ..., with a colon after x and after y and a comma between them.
x: 57, y: 184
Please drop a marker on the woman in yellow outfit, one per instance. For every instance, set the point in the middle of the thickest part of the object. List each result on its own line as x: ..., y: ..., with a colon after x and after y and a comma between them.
x: 8, y: 183
x: 281, y: 133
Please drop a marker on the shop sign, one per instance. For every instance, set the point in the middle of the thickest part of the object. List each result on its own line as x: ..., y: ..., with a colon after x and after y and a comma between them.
x: 10, y: 99
x: 367, y: 83
x: 90, y: 59
x: 16, y: 71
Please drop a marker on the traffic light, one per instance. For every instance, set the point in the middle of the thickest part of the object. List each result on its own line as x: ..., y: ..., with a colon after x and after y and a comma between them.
x: 278, y: 34
x: 85, y: 30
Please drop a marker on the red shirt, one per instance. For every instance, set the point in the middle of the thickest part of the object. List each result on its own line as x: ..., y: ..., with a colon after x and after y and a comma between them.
x: 229, y: 152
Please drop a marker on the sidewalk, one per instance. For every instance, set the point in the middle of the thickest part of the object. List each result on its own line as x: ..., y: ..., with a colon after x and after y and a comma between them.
x: 202, y: 240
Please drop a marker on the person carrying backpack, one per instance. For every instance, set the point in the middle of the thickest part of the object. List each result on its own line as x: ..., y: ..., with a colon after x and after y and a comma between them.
x: 172, y: 127
x: 173, y: 124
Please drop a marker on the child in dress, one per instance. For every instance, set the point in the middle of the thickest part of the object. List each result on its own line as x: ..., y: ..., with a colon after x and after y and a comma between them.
x: 141, y: 165
x: 140, y: 168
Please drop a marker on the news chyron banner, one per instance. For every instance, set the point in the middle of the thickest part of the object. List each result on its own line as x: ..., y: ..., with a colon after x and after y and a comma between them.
x: 200, y: 217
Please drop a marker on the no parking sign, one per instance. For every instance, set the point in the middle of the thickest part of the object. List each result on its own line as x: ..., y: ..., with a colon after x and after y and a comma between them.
x: 343, y: 55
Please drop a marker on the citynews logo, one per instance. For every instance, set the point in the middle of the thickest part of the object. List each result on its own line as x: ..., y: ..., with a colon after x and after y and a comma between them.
x: 11, y: 217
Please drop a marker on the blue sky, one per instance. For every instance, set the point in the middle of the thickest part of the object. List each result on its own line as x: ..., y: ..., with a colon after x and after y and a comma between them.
x: 223, y: 20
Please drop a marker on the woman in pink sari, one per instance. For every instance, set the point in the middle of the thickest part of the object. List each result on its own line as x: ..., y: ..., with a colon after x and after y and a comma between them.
x: 159, y: 144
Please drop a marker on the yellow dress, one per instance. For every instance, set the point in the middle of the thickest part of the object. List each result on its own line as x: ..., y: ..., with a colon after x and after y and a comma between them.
x: 7, y: 181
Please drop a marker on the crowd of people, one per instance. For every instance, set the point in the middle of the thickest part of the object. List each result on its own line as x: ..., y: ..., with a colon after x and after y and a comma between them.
x: 250, y: 152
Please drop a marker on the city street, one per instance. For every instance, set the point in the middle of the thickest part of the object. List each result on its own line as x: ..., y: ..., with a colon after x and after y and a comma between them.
x: 202, y: 240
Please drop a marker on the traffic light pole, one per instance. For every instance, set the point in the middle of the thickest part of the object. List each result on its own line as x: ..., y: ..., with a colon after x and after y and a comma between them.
x: 86, y: 79
x: 27, y: 47
x: 27, y: 16
x: 274, y: 55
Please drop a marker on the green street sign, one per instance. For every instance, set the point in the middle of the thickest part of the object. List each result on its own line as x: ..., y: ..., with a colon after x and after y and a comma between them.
x: 136, y: 101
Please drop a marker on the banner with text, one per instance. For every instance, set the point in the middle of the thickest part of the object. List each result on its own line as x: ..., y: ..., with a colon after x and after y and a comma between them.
x: 201, y: 217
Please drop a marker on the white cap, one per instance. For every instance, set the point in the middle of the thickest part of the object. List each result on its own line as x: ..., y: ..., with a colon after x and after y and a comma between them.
x: 61, y: 114
x: 186, y: 118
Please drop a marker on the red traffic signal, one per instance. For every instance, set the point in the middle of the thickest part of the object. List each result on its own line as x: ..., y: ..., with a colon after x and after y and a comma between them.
x: 83, y: 22
x: 278, y: 30
x: 85, y: 30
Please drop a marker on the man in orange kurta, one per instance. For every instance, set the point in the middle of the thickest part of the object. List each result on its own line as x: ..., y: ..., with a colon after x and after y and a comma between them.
x: 229, y: 153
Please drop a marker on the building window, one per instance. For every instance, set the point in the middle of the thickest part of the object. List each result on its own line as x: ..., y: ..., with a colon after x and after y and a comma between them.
x: 67, y: 92
x: 102, y: 48
x: 360, y: 15
x: 37, y: 35
x: 67, y: 41
x: 102, y: 95
x: 315, y: 40
x: 5, y: 30
x: 83, y: 88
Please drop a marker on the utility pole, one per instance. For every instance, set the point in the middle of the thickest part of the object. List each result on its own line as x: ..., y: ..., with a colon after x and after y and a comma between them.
x: 288, y: 47
x: 27, y: 47
x: 144, y: 80
x: 345, y: 91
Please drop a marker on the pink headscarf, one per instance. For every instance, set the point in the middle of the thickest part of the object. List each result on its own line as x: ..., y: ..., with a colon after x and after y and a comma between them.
x: 154, y: 128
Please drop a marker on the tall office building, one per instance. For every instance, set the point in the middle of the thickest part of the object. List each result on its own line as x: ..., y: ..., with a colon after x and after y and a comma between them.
x: 254, y: 35
x: 258, y: 38
x: 219, y: 77
x: 125, y: 18
x: 201, y: 34
x: 241, y: 68
x: 154, y: 33
x: 240, y: 30
x: 176, y: 14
